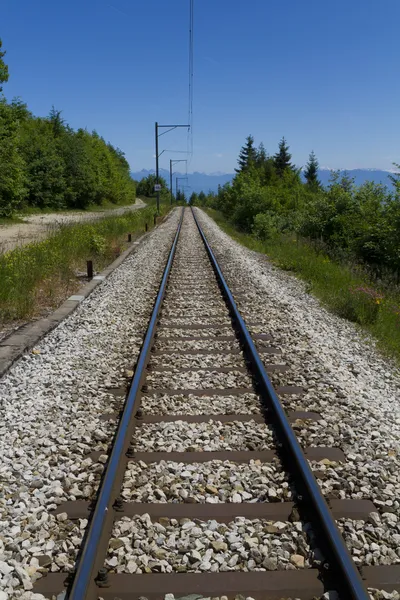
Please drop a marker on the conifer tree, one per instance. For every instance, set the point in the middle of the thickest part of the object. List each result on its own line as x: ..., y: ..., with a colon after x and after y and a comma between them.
x: 57, y: 122
x: 282, y: 159
x: 247, y: 156
x: 194, y: 199
x: 261, y: 158
x: 311, y: 171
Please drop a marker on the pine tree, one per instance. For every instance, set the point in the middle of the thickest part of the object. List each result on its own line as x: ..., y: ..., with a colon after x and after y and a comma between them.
x: 194, y: 199
x: 261, y: 158
x: 311, y: 171
x: 395, y: 178
x: 247, y: 156
x: 3, y: 68
x: 282, y: 159
x: 56, y: 121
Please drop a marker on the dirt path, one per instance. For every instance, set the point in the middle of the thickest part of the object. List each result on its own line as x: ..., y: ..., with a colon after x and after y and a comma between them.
x: 37, y: 227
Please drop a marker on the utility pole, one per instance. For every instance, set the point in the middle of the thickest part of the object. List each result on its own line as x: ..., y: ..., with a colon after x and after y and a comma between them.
x: 172, y: 162
x: 157, y: 174
x: 158, y: 154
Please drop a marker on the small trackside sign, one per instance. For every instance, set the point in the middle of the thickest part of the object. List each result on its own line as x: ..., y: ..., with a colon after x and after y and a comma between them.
x: 157, y: 187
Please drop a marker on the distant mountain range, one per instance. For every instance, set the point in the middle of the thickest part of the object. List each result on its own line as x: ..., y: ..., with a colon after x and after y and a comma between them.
x: 206, y: 182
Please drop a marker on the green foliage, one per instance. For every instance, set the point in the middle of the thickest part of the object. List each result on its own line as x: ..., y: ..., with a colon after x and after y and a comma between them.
x: 46, y: 164
x: 350, y: 223
x: 181, y: 197
x: 12, y: 165
x: 395, y: 179
x: 145, y: 187
x: 3, y: 68
x: 194, y: 199
x: 266, y: 226
x: 344, y: 240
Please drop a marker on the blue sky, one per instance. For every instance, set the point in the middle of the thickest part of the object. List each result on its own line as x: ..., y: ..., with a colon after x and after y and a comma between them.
x: 325, y: 74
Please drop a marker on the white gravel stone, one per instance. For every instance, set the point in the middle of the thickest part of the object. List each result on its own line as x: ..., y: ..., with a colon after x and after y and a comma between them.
x: 199, y: 380
x: 162, y: 404
x: 181, y: 436
x: 210, y: 482
x: 189, y: 546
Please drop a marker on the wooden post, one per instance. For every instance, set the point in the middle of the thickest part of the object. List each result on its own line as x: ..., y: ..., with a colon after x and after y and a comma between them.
x: 89, y: 265
x: 129, y: 237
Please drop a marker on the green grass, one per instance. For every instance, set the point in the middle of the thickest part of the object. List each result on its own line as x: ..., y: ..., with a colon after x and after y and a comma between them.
x: 35, y: 275
x: 343, y: 289
x: 10, y: 220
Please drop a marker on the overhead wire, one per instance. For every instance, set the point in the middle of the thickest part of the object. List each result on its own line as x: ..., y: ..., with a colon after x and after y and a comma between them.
x: 191, y: 68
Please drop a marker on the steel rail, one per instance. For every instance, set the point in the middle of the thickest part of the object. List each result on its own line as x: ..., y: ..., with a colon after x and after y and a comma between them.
x: 349, y: 578
x: 103, y: 517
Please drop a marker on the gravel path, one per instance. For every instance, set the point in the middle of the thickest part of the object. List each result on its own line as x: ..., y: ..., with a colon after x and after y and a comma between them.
x: 35, y: 227
x: 51, y: 402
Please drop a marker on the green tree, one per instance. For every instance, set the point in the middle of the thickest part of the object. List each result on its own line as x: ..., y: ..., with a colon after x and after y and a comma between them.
x: 146, y: 185
x: 261, y: 156
x: 395, y: 179
x: 247, y: 155
x: 82, y: 186
x: 12, y: 165
x: 282, y: 159
x: 3, y: 68
x: 194, y: 199
x: 180, y: 197
x: 311, y: 171
x: 57, y: 122
x: 44, y: 166
x: 202, y: 198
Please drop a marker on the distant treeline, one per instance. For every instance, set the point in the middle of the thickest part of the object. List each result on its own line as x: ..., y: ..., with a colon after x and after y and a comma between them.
x: 44, y: 163
x: 268, y: 198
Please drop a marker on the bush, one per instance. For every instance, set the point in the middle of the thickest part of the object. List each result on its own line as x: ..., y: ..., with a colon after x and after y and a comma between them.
x: 266, y: 226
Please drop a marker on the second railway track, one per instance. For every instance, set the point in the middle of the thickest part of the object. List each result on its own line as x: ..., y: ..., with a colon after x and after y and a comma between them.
x: 206, y: 490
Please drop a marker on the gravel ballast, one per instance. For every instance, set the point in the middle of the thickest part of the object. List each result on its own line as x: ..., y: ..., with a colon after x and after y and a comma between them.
x: 162, y: 404
x: 212, y: 436
x: 212, y: 482
x: 139, y: 545
x: 51, y: 402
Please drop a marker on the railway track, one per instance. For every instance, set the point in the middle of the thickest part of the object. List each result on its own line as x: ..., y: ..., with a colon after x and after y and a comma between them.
x: 206, y: 490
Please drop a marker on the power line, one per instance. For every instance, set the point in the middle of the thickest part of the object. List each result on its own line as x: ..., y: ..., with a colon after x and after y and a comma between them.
x: 191, y: 68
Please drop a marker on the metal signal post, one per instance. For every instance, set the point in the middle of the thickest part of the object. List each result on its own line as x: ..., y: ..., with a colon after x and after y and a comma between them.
x: 176, y: 183
x: 157, y: 135
x: 172, y: 162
